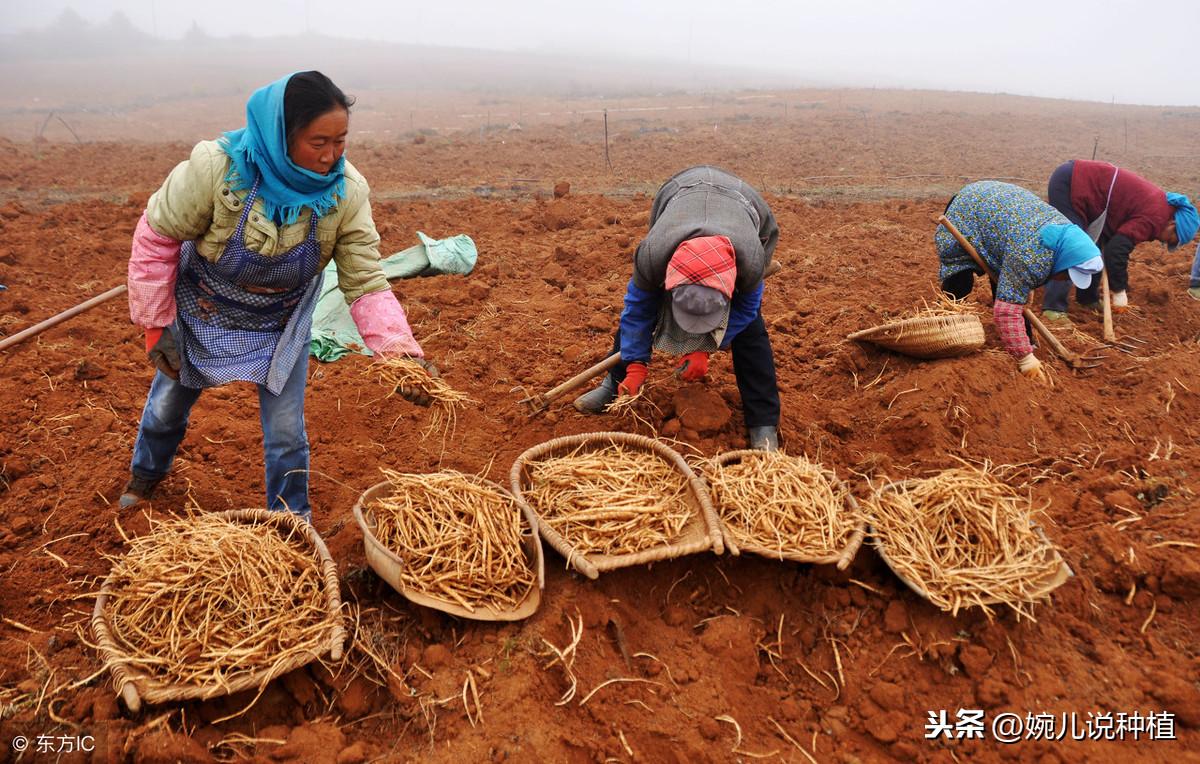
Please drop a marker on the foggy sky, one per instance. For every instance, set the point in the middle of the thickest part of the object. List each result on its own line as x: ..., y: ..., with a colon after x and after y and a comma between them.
x: 1097, y: 50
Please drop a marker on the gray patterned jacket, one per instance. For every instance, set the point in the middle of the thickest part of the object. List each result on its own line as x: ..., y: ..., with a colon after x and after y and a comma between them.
x: 707, y: 201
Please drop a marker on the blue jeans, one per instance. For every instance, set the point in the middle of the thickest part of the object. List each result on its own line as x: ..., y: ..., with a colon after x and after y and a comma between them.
x: 285, y: 443
x: 1195, y: 269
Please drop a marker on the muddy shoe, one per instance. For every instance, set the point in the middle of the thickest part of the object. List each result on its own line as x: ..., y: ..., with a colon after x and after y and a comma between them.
x: 1194, y: 293
x: 1056, y: 316
x: 137, y: 490
x: 595, y: 401
x: 1092, y: 306
x: 764, y: 438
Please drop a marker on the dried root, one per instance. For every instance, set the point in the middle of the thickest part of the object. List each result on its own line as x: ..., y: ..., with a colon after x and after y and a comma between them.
x: 784, y: 504
x: 966, y: 539
x: 459, y: 538
x: 612, y: 500
x: 204, y: 599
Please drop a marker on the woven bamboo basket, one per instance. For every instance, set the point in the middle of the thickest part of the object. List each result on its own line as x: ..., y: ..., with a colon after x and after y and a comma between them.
x: 1060, y: 577
x: 701, y: 533
x: 135, y: 686
x: 928, y: 336
x: 388, y: 564
x: 842, y: 559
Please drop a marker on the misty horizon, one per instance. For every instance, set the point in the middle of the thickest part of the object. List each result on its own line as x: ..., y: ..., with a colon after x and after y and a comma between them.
x: 925, y: 45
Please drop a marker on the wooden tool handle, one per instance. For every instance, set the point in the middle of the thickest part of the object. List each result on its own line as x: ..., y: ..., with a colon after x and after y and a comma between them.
x: 1033, y: 320
x: 583, y: 376
x: 1110, y: 334
x: 58, y: 319
x: 1048, y: 336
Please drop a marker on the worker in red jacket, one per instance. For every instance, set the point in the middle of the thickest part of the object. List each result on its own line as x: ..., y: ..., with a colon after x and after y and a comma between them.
x: 1119, y: 210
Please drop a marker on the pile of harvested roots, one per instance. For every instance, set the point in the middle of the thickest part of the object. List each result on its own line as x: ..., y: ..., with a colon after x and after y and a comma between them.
x: 459, y: 538
x: 942, y: 305
x: 964, y: 538
x: 612, y: 500
x: 444, y: 400
x: 205, y: 599
x: 783, y: 504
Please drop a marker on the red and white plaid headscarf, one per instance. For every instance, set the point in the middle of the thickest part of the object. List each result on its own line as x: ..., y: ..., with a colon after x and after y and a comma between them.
x: 708, y: 261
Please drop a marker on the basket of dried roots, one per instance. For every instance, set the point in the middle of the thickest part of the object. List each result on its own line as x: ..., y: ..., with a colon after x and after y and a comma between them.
x: 785, y: 507
x: 453, y: 542
x: 944, y: 330
x: 217, y: 603
x: 400, y: 373
x: 964, y: 538
x: 608, y: 500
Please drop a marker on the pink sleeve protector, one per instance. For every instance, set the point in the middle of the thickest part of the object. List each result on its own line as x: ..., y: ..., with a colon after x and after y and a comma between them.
x: 1010, y: 324
x: 384, y: 327
x: 153, y: 265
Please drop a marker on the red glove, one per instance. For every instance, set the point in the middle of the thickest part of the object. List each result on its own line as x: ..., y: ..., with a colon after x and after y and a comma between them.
x: 635, y: 377
x: 694, y: 366
x: 152, y: 338
x: 160, y: 347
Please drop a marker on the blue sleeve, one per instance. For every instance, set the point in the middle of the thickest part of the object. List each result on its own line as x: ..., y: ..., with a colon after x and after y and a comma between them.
x: 742, y: 311
x: 637, y: 322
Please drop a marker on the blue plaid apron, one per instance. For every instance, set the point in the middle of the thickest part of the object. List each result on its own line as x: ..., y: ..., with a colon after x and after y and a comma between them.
x: 247, y: 316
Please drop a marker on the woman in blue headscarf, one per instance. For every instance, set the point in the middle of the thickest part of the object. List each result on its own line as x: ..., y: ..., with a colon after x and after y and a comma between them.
x: 226, y: 268
x: 1025, y: 242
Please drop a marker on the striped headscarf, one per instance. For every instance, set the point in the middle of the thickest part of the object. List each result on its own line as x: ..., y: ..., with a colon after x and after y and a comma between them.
x: 706, y: 260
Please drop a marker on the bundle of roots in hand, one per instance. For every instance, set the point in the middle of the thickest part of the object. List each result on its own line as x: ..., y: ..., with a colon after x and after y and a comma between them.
x: 444, y: 400
x: 966, y: 539
x: 770, y: 501
x: 612, y: 500
x: 204, y: 599
x: 459, y: 539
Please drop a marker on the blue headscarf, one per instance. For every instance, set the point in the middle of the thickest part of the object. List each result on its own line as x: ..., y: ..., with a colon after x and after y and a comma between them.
x: 1186, y: 218
x: 1070, y: 245
x: 260, y: 152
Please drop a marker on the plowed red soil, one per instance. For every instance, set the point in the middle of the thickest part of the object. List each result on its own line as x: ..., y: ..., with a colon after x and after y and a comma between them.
x: 845, y: 666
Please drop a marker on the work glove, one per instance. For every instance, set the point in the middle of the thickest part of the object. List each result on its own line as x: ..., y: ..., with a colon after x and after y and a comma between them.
x: 416, y: 395
x: 1031, y: 367
x: 694, y: 366
x: 635, y: 377
x: 160, y: 347
x: 1120, y: 302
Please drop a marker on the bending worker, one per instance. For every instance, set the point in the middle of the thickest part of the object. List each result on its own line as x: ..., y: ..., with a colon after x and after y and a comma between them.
x: 226, y: 268
x: 697, y: 287
x: 1026, y: 243
x: 1119, y: 210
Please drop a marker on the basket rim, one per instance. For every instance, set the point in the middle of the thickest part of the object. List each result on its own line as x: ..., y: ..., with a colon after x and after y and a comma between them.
x: 592, y: 564
x: 1060, y: 577
x: 531, y: 544
x: 918, y: 321
x: 841, y: 559
x: 135, y: 685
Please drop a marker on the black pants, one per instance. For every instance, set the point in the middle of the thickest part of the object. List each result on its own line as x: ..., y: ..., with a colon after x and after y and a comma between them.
x: 1058, y: 193
x: 754, y: 369
x: 959, y: 285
